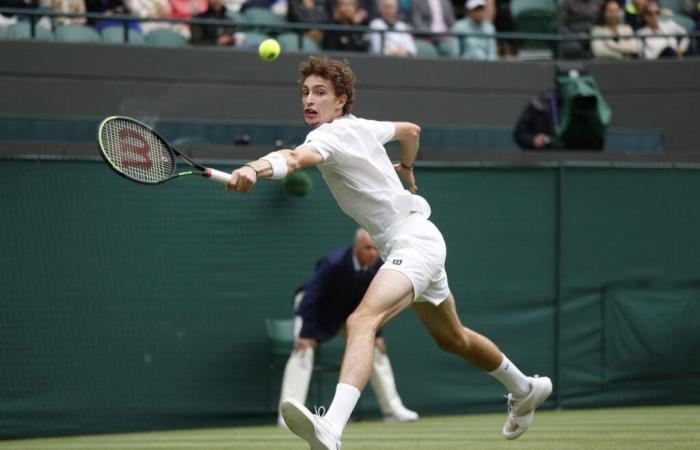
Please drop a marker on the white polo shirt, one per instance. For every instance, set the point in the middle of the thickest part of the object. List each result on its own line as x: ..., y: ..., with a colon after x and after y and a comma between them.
x: 360, y: 175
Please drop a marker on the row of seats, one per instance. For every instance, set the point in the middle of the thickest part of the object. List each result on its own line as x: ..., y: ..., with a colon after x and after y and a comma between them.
x: 289, y: 41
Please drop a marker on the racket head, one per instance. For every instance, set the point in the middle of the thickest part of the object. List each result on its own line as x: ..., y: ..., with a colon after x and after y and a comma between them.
x: 135, y: 151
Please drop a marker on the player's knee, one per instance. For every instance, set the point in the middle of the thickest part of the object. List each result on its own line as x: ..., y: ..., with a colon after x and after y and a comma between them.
x: 359, y: 321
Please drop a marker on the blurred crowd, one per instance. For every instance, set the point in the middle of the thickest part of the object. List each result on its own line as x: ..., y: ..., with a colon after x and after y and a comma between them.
x: 612, y: 29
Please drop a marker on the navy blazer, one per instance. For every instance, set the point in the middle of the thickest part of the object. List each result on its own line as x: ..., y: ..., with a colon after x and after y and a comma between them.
x: 332, y: 294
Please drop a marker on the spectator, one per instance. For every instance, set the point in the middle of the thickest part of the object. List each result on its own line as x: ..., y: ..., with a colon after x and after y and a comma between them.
x: 108, y: 8
x: 654, y: 43
x: 437, y: 16
x: 186, y: 9
x: 150, y: 8
x: 576, y: 18
x: 691, y: 8
x: 476, y: 21
x: 621, y: 43
x: 66, y: 6
x: 214, y: 34
x: 633, y: 14
x: 9, y: 19
x: 309, y: 11
x: 345, y: 13
x: 366, y: 10
x: 321, y: 308
x: 536, y: 125
x: 396, y: 41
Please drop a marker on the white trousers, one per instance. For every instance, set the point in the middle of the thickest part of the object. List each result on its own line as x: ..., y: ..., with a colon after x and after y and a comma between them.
x: 299, y: 368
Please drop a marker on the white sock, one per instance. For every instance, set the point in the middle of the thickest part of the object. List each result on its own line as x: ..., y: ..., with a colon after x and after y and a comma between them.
x: 346, y: 397
x: 512, y: 378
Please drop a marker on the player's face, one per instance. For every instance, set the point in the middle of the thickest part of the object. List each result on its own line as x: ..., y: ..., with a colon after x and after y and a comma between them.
x: 319, y: 101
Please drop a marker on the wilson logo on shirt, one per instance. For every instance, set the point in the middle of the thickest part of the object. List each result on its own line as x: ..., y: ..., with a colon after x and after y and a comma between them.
x: 396, y: 262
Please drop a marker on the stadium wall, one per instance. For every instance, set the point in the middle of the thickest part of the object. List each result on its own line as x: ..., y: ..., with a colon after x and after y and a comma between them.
x: 64, y: 81
x: 132, y: 308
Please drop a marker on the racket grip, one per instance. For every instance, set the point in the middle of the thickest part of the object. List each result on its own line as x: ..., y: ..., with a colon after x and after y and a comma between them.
x: 217, y: 175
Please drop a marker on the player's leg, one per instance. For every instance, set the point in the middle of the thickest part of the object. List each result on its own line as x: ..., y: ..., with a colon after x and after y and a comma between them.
x: 526, y: 393
x: 389, y: 293
x: 384, y: 386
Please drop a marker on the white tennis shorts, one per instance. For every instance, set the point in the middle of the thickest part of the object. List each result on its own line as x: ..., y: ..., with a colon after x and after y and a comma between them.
x: 418, y: 250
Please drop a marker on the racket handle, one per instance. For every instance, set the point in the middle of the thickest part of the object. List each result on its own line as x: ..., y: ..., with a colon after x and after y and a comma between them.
x: 217, y: 175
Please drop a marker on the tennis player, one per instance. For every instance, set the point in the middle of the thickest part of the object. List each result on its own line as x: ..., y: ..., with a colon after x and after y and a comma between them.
x: 349, y: 152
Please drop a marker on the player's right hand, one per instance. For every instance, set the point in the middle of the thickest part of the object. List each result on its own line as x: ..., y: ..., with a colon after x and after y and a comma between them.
x: 407, y: 175
x: 304, y: 343
x: 242, y: 179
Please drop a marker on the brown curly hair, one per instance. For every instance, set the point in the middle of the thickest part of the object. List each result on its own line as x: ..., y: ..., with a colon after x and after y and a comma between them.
x: 337, y: 72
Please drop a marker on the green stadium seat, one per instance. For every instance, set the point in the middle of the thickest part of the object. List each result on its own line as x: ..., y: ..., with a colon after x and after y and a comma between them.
x: 684, y: 21
x: 263, y: 16
x: 77, y: 33
x: 675, y: 6
x: 534, y: 16
x: 162, y: 37
x: 290, y: 42
x: 22, y: 30
x: 425, y: 49
x: 253, y: 38
x: 115, y: 35
x: 3, y: 32
x: 236, y: 17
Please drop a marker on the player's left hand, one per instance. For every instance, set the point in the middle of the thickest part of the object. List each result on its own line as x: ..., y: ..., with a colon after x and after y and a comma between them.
x: 407, y: 175
x: 242, y: 179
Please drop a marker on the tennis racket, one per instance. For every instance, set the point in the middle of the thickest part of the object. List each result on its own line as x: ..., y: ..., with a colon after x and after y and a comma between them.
x: 139, y: 154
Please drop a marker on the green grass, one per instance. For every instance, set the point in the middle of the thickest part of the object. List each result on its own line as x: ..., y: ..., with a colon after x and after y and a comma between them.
x: 672, y: 427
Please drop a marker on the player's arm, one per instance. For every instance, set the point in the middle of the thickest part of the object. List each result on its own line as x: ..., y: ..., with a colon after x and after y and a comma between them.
x: 275, y: 165
x: 408, y: 135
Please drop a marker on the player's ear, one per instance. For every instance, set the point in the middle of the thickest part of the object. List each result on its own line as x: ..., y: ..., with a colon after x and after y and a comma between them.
x: 342, y: 100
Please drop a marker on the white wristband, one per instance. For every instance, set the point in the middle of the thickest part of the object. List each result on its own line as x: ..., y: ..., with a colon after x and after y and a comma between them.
x: 278, y: 163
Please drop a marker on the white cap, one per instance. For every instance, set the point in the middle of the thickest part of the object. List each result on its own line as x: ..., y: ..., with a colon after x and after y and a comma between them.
x: 471, y: 4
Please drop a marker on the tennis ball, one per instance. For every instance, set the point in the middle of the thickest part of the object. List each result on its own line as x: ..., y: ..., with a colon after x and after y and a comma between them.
x: 269, y: 50
x: 298, y: 184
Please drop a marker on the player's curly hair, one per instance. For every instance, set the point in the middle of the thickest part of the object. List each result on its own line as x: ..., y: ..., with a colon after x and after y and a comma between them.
x: 337, y: 72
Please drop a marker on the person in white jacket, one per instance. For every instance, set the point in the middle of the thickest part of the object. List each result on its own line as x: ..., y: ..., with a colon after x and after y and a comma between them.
x: 397, y: 39
x: 657, y: 39
x: 621, y: 42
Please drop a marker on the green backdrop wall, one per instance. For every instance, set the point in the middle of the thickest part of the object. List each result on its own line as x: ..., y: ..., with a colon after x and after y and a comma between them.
x: 127, y: 307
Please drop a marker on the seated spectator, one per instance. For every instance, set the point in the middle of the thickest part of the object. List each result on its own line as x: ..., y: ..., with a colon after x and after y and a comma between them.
x: 633, y: 14
x: 186, y: 9
x: 108, y: 8
x: 9, y: 19
x: 150, y: 8
x: 576, y: 18
x: 308, y: 11
x: 213, y: 34
x: 691, y: 8
x: 66, y: 6
x: 654, y: 44
x: 354, y: 41
x: 437, y: 16
x: 536, y: 125
x: 397, y: 41
x: 366, y: 10
x: 621, y: 43
x: 476, y: 21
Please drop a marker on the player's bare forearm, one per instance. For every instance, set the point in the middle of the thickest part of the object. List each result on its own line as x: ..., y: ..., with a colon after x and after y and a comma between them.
x: 244, y: 178
x: 408, y: 135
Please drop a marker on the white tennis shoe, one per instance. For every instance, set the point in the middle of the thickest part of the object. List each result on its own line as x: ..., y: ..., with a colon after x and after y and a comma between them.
x: 522, y: 410
x: 402, y: 415
x: 314, y: 429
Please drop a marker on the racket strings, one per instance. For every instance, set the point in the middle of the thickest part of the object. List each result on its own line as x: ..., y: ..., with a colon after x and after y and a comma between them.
x: 136, y: 151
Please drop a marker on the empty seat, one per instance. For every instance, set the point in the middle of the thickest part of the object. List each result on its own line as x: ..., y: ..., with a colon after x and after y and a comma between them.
x: 77, y: 33
x: 426, y: 49
x: 297, y: 43
x: 252, y: 39
x: 22, y: 30
x: 162, y: 37
x: 115, y: 35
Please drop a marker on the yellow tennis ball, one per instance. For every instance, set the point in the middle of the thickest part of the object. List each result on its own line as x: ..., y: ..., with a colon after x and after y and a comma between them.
x: 269, y: 50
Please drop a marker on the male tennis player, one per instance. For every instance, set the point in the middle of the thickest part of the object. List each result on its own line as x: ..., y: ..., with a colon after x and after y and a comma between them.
x: 350, y: 154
